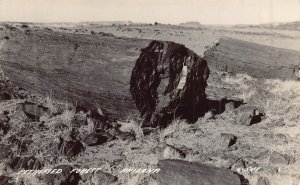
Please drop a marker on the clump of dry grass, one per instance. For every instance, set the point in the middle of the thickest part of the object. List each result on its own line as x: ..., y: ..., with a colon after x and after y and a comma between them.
x: 67, y: 116
x: 241, y: 83
x: 132, y: 124
x: 175, y: 127
x: 280, y: 97
x: 180, y: 128
x: 27, y: 180
x: 89, y: 127
x: 50, y: 104
x: 2, y: 167
x: 203, y: 120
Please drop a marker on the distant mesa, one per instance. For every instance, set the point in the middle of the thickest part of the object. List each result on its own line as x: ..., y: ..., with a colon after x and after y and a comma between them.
x: 285, y: 26
x: 192, y: 24
x: 280, y: 26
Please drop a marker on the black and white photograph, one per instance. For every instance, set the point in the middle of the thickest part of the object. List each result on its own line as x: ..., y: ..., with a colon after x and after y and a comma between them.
x: 149, y: 92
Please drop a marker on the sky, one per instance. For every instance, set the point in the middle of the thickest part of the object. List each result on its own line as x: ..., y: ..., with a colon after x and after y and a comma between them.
x: 148, y: 11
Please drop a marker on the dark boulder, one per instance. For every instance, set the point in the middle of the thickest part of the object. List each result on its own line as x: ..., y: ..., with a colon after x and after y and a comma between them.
x: 26, y: 163
x: 168, y: 81
x: 5, y: 180
x: 69, y: 148
x: 126, y: 136
x: 3, y: 118
x: 178, y: 172
x: 263, y: 181
x: 103, y: 178
x: 5, y: 96
x: 31, y: 110
x: 227, y: 140
x: 5, y: 152
x: 72, y: 148
x: 95, y: 139
x: 166, y: 151
x: 4, y: 123
x: 249, y: 115
x: 278, y: 158
x: 66, y: 177
x: 262, y: 155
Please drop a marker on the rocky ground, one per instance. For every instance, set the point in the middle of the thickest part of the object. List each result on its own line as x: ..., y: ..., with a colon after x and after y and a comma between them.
x: 258, y: 139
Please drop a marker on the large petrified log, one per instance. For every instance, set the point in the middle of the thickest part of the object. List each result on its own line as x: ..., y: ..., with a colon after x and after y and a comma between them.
x: 90, y: 71
x: 257, y: 60
x: 95, y: 71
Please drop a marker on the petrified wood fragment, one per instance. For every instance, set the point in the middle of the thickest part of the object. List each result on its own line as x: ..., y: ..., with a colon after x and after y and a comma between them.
x: 178, y: 172
x: 169, y: 80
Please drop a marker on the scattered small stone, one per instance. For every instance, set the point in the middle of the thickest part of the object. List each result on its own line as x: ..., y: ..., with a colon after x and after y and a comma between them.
x: 126, y: 136
x: 100, y: 120
x: 5, y: 96
x: 31, y: 110
x: 4, y: 126
x: 115, y: 132
x: 26, y: 163
x: 186, y: 150
x: 23, y: 93
x: 232, y: 148
x: 278, y: 158
x: 105, y: 34
x: 248, y: 115
x: 5, y: 152
x: 103, y: 178
x: 263, y: 181
x: 227, y: 140
x: 263, y: 155
x: 167, y: 151
x: 278, y: 138
x: 95, y: 139
x: 101, y: 125
x: 148, y: 130
x: 229, y: 158
x: 279, y: 123
x: 79, y: 120
x: 23, y: 145
x: 61, y: 126
x: 229, y: 106
x: 3, y: 119
x: 63, y: 178
x: 109, y: 136
x: 70, y: 148
x: 274, y: 170
x: 240, y: 163
x: 5, y: 180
